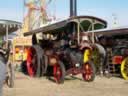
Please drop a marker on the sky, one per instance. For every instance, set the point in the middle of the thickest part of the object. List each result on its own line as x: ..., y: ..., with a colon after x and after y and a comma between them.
x: 109, y: 10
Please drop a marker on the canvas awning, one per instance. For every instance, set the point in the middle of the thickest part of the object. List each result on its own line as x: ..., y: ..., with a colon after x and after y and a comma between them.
x: 8, y: 26
x: 110, y: 32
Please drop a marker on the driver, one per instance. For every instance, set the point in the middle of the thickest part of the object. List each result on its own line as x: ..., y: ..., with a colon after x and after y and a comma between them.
x: 64, y: 42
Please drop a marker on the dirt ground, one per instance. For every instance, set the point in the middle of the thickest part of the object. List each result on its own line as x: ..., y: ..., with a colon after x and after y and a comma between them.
x: 102, y: 86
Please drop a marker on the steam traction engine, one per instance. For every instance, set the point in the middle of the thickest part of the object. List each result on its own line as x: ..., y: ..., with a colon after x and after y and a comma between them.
x: 114, y: 44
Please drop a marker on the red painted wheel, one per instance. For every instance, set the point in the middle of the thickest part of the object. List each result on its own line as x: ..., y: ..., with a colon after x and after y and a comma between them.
x: 59, y: 72
x: 31, y: 60
x: 88, y: 72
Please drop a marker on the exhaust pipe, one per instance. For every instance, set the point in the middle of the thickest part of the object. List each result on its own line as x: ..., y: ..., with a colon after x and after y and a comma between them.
x: 73, y: 8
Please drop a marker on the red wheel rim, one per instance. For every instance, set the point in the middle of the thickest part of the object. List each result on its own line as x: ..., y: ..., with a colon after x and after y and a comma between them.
x: 57, y: 72
x: 87, y: 72
x: 30, y: 64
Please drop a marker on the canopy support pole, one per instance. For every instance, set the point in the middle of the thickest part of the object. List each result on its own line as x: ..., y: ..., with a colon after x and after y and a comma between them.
x: 7, y: 36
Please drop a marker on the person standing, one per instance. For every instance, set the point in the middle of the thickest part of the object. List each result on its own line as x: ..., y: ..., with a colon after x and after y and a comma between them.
x: 2, y: 74
x: 2, y: 70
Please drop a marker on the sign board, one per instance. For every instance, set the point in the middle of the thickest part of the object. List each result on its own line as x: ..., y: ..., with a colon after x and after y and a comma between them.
x: 23, y: 41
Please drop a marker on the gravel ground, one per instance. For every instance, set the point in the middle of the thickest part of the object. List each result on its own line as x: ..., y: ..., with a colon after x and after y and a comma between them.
x: 102, y: 86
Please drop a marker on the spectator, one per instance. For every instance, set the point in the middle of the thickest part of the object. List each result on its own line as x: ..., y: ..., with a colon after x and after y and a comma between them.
x: 2, y: 73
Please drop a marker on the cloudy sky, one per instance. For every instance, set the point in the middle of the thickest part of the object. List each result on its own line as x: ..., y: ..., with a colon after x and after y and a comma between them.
x: 105, y: 9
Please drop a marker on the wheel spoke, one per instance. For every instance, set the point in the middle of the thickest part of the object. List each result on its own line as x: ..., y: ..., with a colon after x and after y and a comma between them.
x: 126, y: 69
x: 87, y: 74
x: 31, y: 60
x: 57, y: 73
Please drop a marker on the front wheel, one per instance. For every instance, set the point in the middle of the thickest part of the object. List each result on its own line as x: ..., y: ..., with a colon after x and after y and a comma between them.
x: 10, y: 77
x: 124, y: 68
x: 88, y: 71
x: 59, y: 72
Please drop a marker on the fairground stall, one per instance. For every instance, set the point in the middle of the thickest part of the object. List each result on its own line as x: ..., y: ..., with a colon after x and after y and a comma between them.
x: 6, y: 50
x: 7, y: 27
x: 20, y: 47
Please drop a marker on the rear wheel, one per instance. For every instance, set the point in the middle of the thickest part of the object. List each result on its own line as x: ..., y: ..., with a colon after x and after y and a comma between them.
x: 59, y: 72
x: 97, y: 60
x: 98, y: 57
x: 34, y: 60
x: 124, y: 68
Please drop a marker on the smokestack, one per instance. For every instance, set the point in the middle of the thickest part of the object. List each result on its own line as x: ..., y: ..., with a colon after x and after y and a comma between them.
x: 73, y: 8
